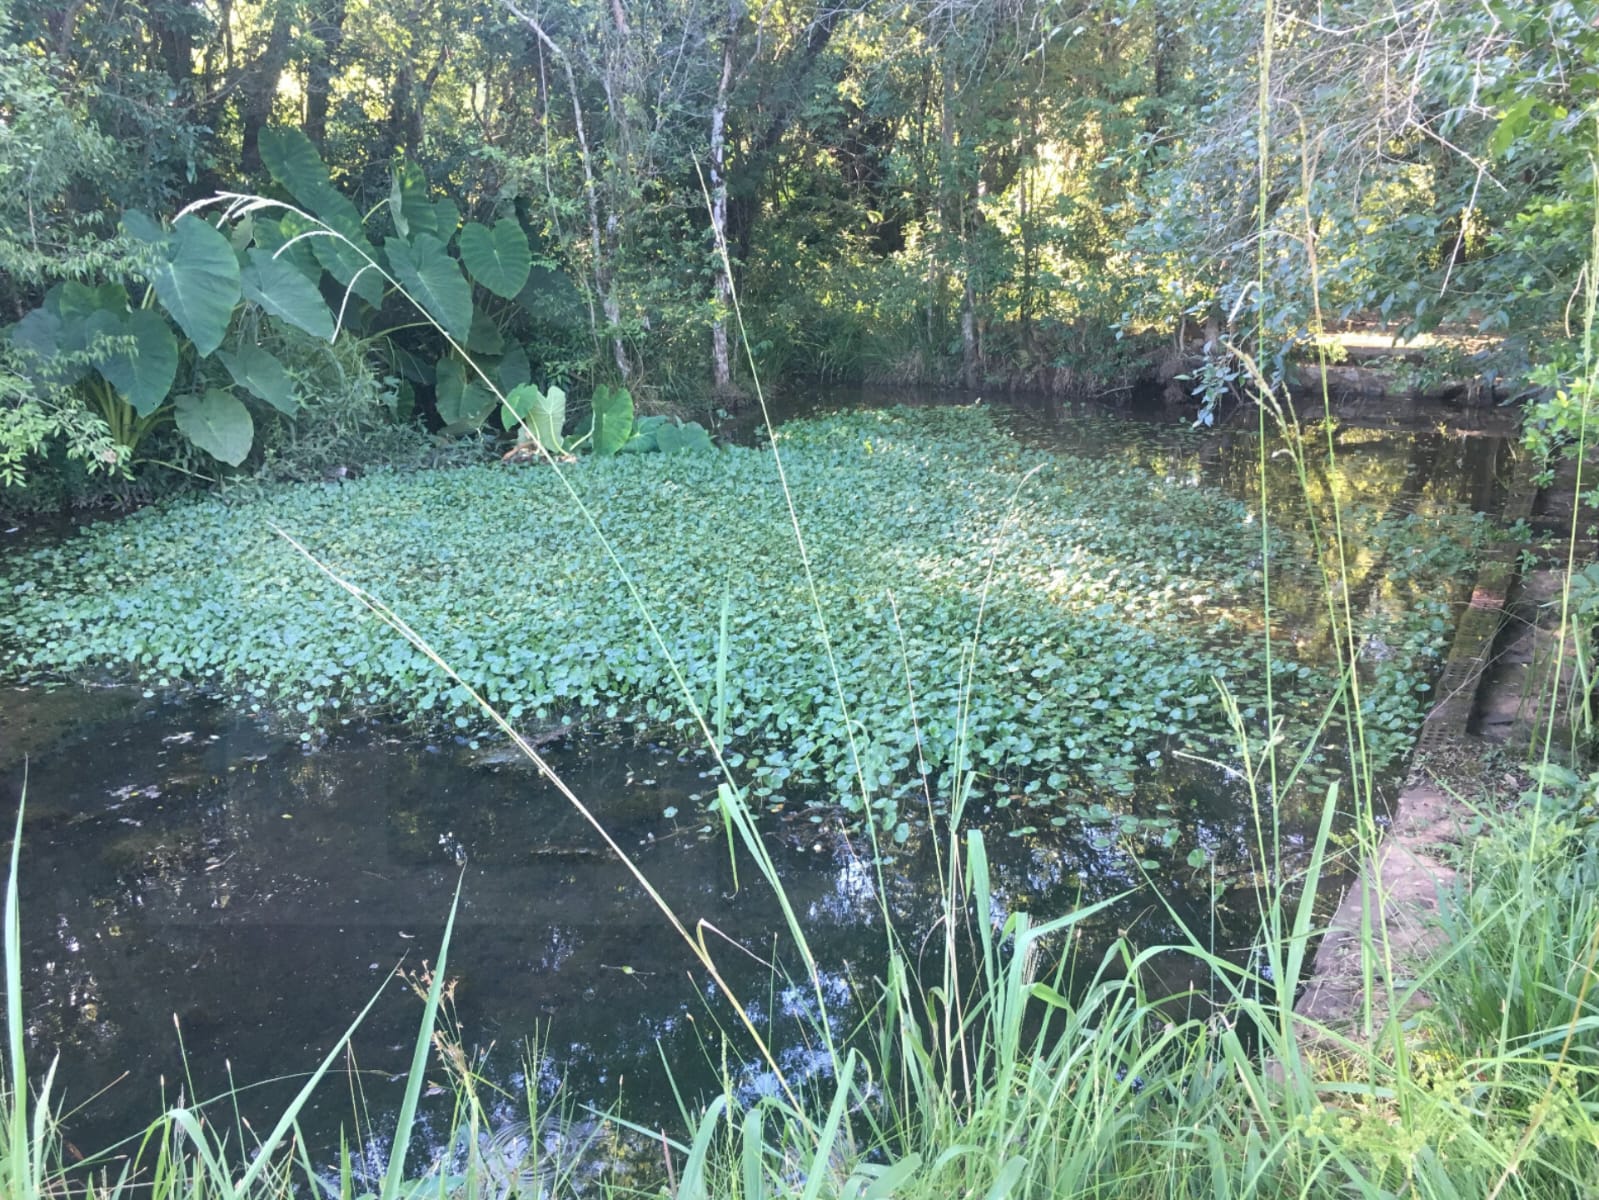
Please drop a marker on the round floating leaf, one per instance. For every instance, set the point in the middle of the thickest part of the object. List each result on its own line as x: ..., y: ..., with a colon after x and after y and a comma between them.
x: 198, y: 282
x: 144, y: 374
x: 434, y: 281
x: 217, y: 423
x: 260, y: 373
x: 278, y: 286
x: 498, y: 258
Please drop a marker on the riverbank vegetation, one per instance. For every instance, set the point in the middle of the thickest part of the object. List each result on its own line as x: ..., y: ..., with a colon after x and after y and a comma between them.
x: 992, y: 195
x: 573, y: 196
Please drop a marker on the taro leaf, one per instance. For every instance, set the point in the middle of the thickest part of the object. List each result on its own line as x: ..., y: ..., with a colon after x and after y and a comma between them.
x: 39, y: 333
x: 408, y: 201
x: 544, y: 413
x: 613, y: 419
x: 498, y: 258
x: 143, y: 376
x: 645, y: 435
x: 690, y: 435
x: 142, y: 227
x: 296, y: 165
x: 197, y: 282
x: 513, y: 370
x: 260, y: 373
x: 345, y: 261
x: 446, y: 219
x: 277, y: 286
x: 695, y: 437
x: 217, y: 423
x: 462, y: 406
x: 640, y: 443
x: 434, y: 281
x: 552, y: 299
x: 517, y: 406
x: 484, y: 337
x: 547, y: 417
x: 272, y: 237
x: 79, y: 300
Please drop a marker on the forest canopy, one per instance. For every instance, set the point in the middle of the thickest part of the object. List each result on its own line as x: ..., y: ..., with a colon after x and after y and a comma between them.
x: 1023, y: 193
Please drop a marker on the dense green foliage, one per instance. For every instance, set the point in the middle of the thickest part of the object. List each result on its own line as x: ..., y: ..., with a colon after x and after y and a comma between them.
x: 950, y: 190
x: 1104, y: 602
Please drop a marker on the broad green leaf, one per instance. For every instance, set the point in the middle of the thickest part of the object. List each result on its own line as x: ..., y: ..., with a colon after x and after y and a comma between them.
x: 272, y: 236
x: 198, y: 282
x: 513, y: 370
x: 544, y: 413
x: 613, y: 419
x: 278, y: 287
x: 79, y: 300
x: 409, y: 205
x: 144, y: 374
x: 484, y: 337
x: 217, y: 423
x: 142, y: 227
x: 295, y: 164
x: 690, y: 436
x: 341, y: 258
x: 498, y: 258
x: 434, y: 281
x: 39, y: 333
x: 260, y: 373
x: 446, y: 220
x: 463, y: 405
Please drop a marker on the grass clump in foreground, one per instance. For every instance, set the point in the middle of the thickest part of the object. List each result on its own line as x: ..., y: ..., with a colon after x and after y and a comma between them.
x: 1111, y: 599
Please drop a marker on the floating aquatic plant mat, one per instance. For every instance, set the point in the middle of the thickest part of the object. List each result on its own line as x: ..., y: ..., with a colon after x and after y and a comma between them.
x: 1105, y: 600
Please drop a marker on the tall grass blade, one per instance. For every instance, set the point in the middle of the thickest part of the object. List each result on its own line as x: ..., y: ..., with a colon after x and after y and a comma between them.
x: 419, y: 1058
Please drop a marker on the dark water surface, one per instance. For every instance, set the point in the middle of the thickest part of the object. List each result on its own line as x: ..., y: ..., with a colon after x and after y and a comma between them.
x: 183, y: 861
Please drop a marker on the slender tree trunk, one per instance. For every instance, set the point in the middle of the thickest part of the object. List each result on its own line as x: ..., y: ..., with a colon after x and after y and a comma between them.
x: 327, y: 26
x: 260, y: 86
x: 602, y: 282
x: 722, y: 371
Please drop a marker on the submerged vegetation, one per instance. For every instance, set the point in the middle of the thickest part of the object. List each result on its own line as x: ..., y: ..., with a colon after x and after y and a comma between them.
x: 1110, y: 600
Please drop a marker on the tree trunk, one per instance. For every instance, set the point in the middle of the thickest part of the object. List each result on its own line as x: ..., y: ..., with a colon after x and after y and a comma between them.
x: 327, y: 26
x: 721, y: 367
x: 260, y: 87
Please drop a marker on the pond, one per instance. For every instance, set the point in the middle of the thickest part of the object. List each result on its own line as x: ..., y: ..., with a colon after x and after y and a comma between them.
x: 203, y: 892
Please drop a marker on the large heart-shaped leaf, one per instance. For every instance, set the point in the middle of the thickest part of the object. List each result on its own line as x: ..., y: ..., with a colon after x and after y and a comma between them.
x: 272, y: 237
x: 80, y: 300
x: 498, y: 258
x: 543, y: 412
x: 613, y: 419
x: 260, y: 373
x: 485, y: 336
x: 413, y: 212
x: 294, y: 162
x: 277, y: 286
x: 217, y: 423
x: 197, y: 282
x: 513, y: 370
x: 462, y: 406
x: 434, y: 281
x: 674, y: 439
x: 144, y: 374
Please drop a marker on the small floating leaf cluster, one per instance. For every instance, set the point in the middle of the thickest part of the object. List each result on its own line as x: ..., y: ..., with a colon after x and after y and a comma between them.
x: 1105, y: 601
